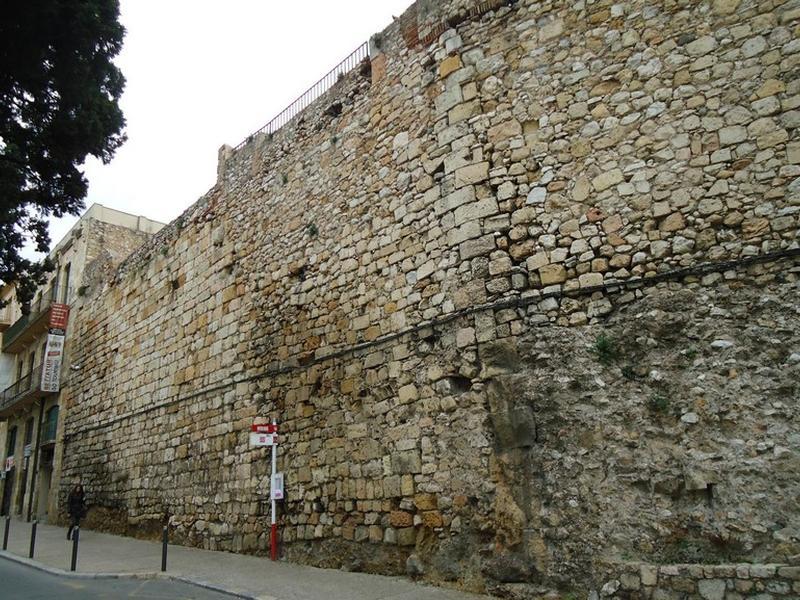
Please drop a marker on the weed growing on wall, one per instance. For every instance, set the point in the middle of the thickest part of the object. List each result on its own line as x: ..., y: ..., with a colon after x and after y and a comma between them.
x: 659, y: 403
x: 629, y: 373
x: 605, y: 349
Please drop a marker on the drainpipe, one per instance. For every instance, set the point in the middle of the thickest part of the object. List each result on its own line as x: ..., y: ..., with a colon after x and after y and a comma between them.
x: 37, y: 449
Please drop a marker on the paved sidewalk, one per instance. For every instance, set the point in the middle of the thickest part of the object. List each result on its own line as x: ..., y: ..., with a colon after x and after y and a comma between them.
x: 103, y: 554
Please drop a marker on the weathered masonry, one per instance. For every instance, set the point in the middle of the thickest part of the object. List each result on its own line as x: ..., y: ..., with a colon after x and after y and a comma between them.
x: 522, y: 292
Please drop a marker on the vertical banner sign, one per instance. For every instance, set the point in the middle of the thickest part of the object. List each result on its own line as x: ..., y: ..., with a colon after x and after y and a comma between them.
x: 51, y: 367
x: 59, y: 315
x: 54, y: 351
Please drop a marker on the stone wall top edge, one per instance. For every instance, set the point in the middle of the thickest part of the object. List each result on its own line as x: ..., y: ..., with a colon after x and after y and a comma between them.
x: 285, y: 134
x: 630, y: 564
x: 393, y: 41
x: 171, y: 231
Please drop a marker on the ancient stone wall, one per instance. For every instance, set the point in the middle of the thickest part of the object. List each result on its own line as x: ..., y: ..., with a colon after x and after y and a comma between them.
x: 107, y: 245
x: 717, y: 582
x: 523, y: 297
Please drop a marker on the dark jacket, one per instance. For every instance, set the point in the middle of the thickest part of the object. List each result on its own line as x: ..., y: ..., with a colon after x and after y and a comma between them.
x: 76, y: 504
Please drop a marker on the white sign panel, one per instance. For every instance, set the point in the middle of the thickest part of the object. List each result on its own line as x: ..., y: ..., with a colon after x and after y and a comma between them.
x: 263, y: 439
x: 51, y: 369
x: 276, y: 487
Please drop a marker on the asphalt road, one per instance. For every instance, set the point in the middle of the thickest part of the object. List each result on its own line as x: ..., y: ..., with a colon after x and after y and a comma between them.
x: 19, y: 582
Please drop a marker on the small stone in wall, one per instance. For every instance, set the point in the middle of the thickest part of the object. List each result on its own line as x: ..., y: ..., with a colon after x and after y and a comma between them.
x: 732, y: 135
x: 721, y: 344
x: 465, y: 337
x: 407, y: 393
x: 400, y: 140
x: 608, y: 179
x: 595, y: 214
x: 769, y: 88
x: 609, y: 589
x: 449, y: 65
x: 612, y: 224
x: 649, y: 575
x: 725, y: 7
x: 690, y: 418
x: 552, y: 274
x: 711, y: 589
x: 701, y: 46
x: 537, y: 195
x: 537, y: 261
x: 590, y: 280
x: 414, y: 566
x: 551, y: 29
x: 673, y: 222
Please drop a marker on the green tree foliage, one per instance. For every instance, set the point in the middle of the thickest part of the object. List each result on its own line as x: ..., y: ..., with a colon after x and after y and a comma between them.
x: 58, y: 104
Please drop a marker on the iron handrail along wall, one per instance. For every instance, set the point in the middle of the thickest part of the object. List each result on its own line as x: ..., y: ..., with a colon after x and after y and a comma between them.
x: 315, y: 91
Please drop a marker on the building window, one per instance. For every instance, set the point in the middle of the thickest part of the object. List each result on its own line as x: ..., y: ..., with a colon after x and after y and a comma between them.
x: 29, y: 431
x: 12, y: 441
x: 65, y: 286
x: 51, y: 424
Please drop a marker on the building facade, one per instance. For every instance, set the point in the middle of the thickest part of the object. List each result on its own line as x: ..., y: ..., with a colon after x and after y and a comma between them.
x: 33, y: 359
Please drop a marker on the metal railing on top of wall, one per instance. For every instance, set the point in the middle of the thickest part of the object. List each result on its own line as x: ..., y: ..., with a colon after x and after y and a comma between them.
x: 358, y: 56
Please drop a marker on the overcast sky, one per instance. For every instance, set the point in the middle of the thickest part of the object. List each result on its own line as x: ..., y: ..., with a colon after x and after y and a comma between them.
x: 202, y: 73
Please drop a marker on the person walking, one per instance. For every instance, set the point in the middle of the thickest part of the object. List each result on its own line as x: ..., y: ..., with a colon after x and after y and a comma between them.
x: 76, y: 508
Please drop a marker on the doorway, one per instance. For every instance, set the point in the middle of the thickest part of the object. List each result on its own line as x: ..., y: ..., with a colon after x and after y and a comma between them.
x: 45, y: 476
x: 8, y: 491
x: 8, y: 482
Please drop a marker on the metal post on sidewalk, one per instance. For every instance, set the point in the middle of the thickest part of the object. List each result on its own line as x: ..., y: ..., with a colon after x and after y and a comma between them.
x: 273, y: 516
x: 5, y: 533
x: 76, y: 534
x: 164, y: 541
x: 33, y: 537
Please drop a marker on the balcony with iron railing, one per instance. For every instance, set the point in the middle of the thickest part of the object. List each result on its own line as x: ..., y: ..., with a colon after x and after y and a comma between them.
x: 6, y: 314
x: 28, y: 327
x: 22, y: 390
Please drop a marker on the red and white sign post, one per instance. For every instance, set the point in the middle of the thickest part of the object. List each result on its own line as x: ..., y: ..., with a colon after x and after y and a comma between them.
x: 267, y: 435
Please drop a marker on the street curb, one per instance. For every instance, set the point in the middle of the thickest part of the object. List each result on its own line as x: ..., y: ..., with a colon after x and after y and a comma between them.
x: 150, y: 575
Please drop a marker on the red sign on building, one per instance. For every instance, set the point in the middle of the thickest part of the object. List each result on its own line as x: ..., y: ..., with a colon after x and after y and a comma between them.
x: 264, y: 428
x: 59, y: 316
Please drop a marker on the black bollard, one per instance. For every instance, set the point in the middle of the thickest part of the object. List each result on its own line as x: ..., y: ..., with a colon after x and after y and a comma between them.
x: 164, y: 540
x: 33, y: 537
x: 76, y: 534
x: 5, y: 533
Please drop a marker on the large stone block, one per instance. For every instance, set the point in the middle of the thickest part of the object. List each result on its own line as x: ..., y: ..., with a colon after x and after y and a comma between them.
x: 479, y: 247
x: 552, y: 274
x: 476, y: 210
x: 607, y: 179
x: 471, y: 174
